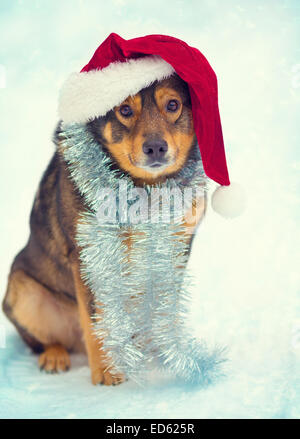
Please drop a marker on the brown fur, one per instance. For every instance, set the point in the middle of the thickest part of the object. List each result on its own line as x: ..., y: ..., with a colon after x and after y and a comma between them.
x: 46, y: 298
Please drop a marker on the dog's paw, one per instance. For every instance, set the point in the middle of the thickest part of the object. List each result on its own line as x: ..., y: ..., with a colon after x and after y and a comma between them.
x: 106, y: 377
x: 54, y: 359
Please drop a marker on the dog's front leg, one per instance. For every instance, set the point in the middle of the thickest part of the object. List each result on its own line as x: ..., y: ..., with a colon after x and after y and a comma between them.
x: 98, y: 361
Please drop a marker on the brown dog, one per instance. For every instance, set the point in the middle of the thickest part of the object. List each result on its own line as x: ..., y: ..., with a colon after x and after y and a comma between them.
x: 149, y: 136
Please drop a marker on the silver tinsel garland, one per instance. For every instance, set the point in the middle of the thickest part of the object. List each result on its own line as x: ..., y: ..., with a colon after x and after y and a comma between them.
x: 143, y: 295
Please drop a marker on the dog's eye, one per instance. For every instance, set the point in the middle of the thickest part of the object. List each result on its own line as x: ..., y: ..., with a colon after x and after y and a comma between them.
x: 126, y: 111
x: 172, y: 105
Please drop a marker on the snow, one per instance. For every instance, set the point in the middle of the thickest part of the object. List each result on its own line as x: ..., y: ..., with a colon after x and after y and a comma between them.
x: 246, y: 270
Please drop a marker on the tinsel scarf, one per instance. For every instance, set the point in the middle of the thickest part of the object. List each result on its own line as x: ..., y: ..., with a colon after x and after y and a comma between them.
x: 142, y: 296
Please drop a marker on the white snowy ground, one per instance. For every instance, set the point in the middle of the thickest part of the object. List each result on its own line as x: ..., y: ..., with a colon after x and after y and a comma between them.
x: 246, y: 271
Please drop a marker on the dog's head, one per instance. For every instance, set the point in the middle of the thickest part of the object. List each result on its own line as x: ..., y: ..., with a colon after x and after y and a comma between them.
x: 150, y: 134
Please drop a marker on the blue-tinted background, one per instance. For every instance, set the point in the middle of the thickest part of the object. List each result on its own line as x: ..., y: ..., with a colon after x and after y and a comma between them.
x: 246, y: 270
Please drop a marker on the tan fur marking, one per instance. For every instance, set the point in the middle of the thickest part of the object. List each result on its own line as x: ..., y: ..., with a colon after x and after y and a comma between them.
x: 107, y: 132
x: 55, y: 359
x: 135, y: 102
x: 100, y: 373
x: 36, y: 309
x: 145, y: 121
x: 193, y: 216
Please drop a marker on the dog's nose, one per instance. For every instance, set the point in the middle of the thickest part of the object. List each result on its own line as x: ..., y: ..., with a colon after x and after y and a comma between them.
x: 155, y: 149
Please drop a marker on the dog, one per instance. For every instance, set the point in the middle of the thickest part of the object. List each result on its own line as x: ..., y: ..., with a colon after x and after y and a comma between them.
x: 149, y: 136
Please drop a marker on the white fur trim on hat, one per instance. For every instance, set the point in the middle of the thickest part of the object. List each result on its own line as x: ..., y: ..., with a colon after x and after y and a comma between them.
x: 229, y: 201
x: 87, y: 95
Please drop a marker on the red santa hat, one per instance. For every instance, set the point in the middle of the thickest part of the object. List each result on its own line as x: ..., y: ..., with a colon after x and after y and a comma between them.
x: 120, y: 68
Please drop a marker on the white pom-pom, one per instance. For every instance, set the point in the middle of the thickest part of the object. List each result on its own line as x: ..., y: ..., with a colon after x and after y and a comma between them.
x: 229, y: 201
